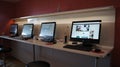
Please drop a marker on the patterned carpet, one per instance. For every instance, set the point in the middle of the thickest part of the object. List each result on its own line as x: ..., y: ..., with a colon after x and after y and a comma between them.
x: 13, y: 62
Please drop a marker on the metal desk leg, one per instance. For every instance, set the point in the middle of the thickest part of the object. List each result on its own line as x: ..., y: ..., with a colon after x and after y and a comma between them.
x: 33, y: 52
x: 96, y: 61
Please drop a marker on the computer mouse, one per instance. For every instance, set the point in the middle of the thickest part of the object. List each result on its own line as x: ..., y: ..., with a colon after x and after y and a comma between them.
x: 97, y: 50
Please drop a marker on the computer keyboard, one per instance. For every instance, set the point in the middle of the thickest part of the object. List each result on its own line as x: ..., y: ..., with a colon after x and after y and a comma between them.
x: 78, y: 47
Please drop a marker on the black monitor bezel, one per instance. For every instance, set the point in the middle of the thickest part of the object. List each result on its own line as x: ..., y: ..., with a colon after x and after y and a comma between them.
x: 53, y: 31
x: 11, y: 33
x: 23, y: 36
x: 94, y: 41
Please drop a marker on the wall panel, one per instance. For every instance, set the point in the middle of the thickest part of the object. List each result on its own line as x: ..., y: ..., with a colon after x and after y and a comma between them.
x: 7, y: 12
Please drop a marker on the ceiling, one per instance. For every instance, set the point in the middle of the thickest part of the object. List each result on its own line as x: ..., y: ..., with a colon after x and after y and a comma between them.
x: 11, y: 0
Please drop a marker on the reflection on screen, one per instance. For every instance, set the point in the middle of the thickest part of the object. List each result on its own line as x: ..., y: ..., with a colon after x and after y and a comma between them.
x: 47, y: 31
x: 27, y: 31
x: 13, y: 29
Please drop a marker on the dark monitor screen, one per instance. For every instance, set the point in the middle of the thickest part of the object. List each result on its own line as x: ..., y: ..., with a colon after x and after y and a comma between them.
x: 86, y: 31
x: 13, y: 29
x: 47, y: 32
x: 27, y: 31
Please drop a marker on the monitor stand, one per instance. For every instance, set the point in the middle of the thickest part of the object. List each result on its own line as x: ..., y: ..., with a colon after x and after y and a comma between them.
x: 87, y: 44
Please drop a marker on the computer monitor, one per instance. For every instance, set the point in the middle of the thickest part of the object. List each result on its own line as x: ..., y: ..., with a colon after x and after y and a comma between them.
x: 13, y: 29
x: 47, y: 32
x: 87, y: 32
x: 27, y: 31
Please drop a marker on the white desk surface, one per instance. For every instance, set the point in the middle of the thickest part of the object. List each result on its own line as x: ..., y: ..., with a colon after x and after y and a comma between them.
x: 59, y: 46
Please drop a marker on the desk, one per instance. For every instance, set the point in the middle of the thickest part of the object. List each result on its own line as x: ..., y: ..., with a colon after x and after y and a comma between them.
x: 59, y: 46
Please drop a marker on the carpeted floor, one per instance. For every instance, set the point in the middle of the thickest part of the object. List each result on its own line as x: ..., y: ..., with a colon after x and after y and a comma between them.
x: 13, y: 62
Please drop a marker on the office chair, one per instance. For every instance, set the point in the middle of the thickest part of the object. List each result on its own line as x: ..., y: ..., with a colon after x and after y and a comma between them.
x: 3, y: 53
x: 37, y: 63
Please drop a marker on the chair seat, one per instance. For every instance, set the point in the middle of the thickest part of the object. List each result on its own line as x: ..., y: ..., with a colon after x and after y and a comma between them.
x: 38, y: 64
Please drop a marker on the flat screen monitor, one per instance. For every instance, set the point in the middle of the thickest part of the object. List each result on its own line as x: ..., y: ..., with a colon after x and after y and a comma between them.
x: 87, y: 32
x: 13, y: 29
x: 47, y: 32
x: 27, y: 31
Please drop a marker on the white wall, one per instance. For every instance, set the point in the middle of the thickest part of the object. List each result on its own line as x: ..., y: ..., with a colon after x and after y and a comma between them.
x: 64, y: 21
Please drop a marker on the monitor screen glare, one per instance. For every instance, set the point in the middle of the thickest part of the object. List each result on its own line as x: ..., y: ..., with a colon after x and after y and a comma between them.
x: 47, y: 31
x: 14, y: 29
x: 27, y: 31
